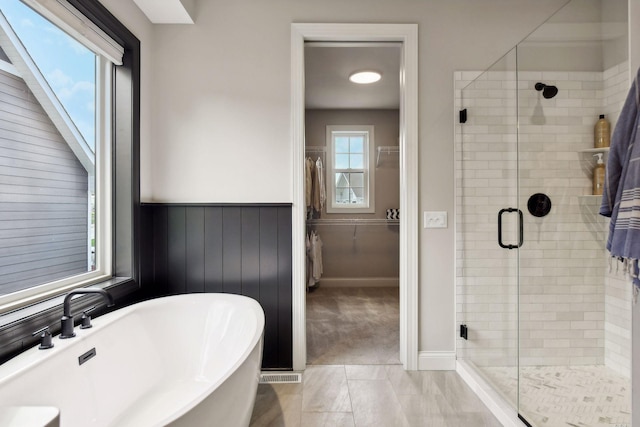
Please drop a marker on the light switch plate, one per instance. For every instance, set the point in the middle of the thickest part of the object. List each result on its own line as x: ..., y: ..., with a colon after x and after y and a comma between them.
x: 435, y: 219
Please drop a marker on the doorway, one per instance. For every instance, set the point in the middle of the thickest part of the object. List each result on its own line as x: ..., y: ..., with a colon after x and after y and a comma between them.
x: 406, y: 35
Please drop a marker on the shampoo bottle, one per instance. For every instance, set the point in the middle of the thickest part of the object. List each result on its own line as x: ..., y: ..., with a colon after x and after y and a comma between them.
x: 602, y: 133
x: 598, y: 176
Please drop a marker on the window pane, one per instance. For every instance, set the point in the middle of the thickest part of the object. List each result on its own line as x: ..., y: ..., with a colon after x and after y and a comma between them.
x: 356, y: 161
x: 342, y: 180
x: 357, y: 144
x: 342, y: 195
x: 49, y: 222
x: 356, y: 179
x: 68, y: 66
x: 357, y: 195
x: 342, y: 144
x: 342, y: 161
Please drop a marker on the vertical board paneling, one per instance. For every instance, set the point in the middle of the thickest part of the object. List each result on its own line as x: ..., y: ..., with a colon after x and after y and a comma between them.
x: 251, y: 252
x: 232, y: 250
x: 146, y: 250
x: 269, y: 283
x: 176, y: 249
x: 213, y: 249
x: 161, y: 251
x: 195, y: 255
x: 285, y: 297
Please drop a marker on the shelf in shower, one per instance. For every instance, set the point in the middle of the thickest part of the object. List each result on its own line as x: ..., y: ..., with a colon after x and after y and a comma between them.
x: 594, y: 150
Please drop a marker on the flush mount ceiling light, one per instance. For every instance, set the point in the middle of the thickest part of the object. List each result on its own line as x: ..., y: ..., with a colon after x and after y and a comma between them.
x: 365, y: 77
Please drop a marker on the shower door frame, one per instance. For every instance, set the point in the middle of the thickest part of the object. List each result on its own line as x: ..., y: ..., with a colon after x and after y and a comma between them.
x: 503, y: 207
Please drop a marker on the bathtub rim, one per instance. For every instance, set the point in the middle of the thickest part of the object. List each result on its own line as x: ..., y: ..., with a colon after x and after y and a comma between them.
x: 32, y: 357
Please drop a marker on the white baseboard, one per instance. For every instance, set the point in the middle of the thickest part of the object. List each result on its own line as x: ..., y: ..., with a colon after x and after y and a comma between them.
x: 360, y: 282
x: 437, y: 361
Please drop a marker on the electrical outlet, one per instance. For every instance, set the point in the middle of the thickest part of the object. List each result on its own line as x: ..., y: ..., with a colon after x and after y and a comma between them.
x: 435, y: 219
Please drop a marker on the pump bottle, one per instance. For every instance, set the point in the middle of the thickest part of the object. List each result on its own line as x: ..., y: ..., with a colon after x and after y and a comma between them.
x: 598, y: 176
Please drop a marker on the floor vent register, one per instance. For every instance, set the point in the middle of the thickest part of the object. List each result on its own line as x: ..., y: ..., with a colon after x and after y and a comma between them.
x: 280, y: 378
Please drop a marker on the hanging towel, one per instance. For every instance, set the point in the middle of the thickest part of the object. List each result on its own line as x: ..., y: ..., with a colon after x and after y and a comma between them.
x: 621, y: 196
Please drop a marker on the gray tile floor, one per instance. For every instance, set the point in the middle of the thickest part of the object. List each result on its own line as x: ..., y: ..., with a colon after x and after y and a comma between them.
x: 354, y: 377
x: 371, y: 396
x: 353, y: 326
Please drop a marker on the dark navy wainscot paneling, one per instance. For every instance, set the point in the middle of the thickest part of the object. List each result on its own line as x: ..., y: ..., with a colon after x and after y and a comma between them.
x: 238, y: 249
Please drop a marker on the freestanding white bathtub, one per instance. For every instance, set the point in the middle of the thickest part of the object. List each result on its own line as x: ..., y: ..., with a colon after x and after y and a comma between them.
x: 186, y: 360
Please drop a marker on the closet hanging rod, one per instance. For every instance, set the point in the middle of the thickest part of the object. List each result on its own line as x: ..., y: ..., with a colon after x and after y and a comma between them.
x: 315, y: 149
x: 340, y: 221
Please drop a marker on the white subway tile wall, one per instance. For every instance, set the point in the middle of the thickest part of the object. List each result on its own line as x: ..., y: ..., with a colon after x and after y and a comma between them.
x: 573, y: 311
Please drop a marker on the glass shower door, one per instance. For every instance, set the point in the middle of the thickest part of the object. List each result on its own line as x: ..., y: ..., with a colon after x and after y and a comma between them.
x: 489, y: 231
x: 574, y: 321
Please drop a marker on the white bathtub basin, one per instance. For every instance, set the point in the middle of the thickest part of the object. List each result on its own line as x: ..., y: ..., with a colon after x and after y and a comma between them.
x: 186, y: 360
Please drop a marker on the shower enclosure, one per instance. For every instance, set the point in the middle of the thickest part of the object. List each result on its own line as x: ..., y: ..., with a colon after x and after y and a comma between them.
x: 546, y: 322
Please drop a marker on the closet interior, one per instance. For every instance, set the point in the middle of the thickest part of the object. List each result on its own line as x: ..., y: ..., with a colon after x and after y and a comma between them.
x: 352, y: 192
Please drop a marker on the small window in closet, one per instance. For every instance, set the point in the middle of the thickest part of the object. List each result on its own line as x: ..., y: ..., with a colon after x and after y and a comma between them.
x: 350, y: 169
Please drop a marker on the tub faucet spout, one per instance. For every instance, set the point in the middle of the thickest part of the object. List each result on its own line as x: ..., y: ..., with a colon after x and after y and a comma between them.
x: 67, y: 318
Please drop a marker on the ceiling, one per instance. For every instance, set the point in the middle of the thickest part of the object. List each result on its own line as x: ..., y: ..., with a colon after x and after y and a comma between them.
x: 168, y: 11
x: 327, y: 70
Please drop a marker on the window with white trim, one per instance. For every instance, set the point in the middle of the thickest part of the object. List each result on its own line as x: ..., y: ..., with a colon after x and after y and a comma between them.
x: 56, y: 161
x: 350, y: 169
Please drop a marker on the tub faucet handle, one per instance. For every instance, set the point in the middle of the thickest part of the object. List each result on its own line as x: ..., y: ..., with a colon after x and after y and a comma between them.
x: 85, y: 320
x: 45, y: 338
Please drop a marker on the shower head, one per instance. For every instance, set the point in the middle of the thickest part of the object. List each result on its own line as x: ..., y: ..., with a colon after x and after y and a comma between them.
x: 548, y: 91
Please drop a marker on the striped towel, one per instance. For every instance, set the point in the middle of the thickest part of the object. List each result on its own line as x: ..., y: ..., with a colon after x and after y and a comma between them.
x: 621, y: 197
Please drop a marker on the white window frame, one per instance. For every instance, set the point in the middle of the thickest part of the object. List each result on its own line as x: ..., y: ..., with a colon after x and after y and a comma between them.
x: 104, y: 194
x: 369, y: 205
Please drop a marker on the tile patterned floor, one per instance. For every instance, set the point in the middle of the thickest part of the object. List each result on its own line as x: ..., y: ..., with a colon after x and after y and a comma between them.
x: 561, y: 396
x: 354, y: 377
x: 370, y: 396
x: 353, y: 326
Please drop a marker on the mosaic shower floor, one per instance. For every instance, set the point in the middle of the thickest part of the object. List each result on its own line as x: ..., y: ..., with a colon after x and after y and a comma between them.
x: 561, y: 396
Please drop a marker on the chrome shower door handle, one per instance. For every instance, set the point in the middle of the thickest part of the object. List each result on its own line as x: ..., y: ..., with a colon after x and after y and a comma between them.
x: 520, y: 226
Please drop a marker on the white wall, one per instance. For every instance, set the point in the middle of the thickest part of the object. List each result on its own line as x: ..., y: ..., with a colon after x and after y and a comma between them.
x: 216, y: 111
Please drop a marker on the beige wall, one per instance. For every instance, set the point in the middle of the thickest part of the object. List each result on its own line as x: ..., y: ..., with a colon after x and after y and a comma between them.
x: 386, y: 133
x: 216, y: 106
x: 361, y: 251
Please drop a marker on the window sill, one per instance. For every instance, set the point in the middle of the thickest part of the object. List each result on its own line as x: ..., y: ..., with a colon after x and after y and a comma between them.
x: 17, y: 327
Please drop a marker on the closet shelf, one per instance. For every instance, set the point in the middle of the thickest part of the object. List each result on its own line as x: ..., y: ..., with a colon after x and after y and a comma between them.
x: 388, y: 149
x: 314, y: 149
x: 359, y: 221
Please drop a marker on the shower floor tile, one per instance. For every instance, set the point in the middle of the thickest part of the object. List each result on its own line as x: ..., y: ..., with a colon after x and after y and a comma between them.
x: 580, y: 396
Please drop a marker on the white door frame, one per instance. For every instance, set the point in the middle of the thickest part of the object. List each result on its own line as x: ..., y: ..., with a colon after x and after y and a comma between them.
x: 407, y: 34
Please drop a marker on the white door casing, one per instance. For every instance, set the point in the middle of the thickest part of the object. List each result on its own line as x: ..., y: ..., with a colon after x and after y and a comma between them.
x: 407, y: 35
